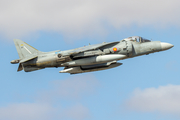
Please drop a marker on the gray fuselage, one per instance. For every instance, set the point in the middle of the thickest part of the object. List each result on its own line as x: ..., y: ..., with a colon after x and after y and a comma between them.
x: 88, y: 58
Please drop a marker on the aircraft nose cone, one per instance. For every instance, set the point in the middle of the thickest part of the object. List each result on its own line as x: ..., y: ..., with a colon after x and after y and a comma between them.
x: 166, y: 46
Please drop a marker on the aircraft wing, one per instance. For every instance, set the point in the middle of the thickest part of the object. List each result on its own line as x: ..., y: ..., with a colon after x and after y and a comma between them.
x: 89, y: 47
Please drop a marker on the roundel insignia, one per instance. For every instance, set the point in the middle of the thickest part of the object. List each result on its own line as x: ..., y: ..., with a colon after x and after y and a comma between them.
x: 114, y: 49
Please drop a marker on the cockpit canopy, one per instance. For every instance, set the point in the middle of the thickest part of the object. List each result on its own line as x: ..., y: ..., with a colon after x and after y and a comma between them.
x: 137, y: 39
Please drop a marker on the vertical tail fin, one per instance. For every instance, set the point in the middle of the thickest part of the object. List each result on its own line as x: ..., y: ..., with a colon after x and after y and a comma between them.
x: 24, y: 50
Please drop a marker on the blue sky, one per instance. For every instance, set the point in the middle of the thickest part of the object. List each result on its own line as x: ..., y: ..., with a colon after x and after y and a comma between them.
x: 145, y: 87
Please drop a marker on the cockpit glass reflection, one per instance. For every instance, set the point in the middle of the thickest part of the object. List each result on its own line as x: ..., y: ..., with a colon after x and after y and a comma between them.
x: 138, y: 39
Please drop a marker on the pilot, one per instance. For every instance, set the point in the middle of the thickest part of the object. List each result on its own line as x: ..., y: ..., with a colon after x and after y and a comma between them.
x: 135, y: 40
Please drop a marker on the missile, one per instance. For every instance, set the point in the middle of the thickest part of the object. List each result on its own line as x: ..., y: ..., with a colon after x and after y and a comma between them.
x: 71, y: 70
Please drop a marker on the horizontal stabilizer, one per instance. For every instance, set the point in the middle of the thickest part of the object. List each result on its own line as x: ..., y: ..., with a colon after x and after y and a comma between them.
x: 28, y: 58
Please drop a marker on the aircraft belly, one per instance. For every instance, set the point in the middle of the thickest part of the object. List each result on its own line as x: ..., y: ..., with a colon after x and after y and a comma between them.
x: 30, y: 69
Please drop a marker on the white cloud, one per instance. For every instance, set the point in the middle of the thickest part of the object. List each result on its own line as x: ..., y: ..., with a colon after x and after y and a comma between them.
x: 39, y: 111
x: 78, y: 18
x: 26, y: 111
x: 49, y: 104
x: 74, y: 88
x: 77, y: 112
x: 164, y: 99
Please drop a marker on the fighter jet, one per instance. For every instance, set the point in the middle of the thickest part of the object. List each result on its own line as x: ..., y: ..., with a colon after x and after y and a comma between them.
x: 88, y: 58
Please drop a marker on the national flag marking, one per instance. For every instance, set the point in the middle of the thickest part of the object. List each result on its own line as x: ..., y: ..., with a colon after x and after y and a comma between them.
x: 114, y: 49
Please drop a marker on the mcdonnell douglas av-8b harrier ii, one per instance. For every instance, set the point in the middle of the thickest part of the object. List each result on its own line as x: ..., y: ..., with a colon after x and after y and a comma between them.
x: 88, y: 58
